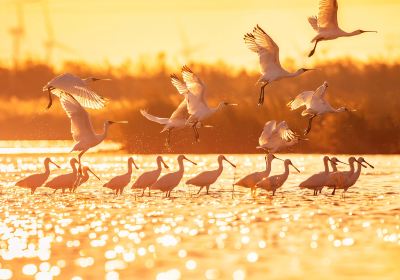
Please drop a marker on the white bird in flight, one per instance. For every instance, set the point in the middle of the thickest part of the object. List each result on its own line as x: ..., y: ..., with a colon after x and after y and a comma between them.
x: 276, y: 137
x: 207, y: 178
x: 81, y: 126
x: 326, y: 24
x: 195, y: 92
x: 78, y: 88
x: 315, y: 104
x: 268, y: 51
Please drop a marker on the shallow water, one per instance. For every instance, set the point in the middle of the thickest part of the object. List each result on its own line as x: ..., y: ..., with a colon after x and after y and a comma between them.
x: 95, y: 234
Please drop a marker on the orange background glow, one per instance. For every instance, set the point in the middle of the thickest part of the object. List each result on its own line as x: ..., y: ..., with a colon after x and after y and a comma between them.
x: 206, y: 31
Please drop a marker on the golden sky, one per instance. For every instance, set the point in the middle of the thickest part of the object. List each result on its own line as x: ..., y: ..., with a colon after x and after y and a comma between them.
x: 99, y: 30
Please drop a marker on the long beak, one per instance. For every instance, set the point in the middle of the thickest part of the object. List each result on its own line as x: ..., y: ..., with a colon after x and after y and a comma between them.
x: 295, y: 167
x: 165, y: 165
x: 135, y: 165
x: 120, y: 122
x: 94, y: 174
x: 369, y: 31
x: 230, y: 162
x: 55, y: 164
x: 278, y: 158
x: 342, y: 162
x: 101, y: 79
x: 370, y: 165
x: 190, y: 160
x: 309, y: 69
x: 232, y: 104
x: 208, y: 126
x: 363, y: 165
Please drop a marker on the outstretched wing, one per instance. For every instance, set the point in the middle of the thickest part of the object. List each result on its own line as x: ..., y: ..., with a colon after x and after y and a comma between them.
x: 68, y: 83
x: 284, y: 132
x: 303, y: 99
x: 327, y: 15
x: 196, y: 96
x: 268, y: 51
x: 179, y: 85
x: 81, y: 127
x: 269, y: 127
x: 153, y: 118
x: 314, y: 23
x: 181, y: 112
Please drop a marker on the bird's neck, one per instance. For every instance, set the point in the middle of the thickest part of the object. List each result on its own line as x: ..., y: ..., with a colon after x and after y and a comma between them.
x: 47, y: 168
x: 74, y: 170
x: 350, y: 34
x: 295, y: 74
x: 130, y: 167
x: 352, y: 167
x: 285, y: 174
x: 268, y: 167
x: 358, y: 171
x: 326, y: 166
x: 334, y: 168
x: 159, y: 167
x: 103, y: 135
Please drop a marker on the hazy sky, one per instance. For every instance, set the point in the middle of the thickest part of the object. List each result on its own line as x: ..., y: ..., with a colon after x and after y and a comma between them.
x: 120, y: 29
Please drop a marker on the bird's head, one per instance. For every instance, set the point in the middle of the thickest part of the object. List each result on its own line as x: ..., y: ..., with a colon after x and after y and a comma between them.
x: 87, y: 169
x: 222, y: 157
x: 271, y: 156
x: 224, y: 104
x: 335, y: 161
x: 47, y: 161
x: 132, y: 162
x: 361, y: 160
x: 181, y: 158
x: 289, y: 162
x: 113, y: 122
x: 161, y: 160
x: 303, y: 70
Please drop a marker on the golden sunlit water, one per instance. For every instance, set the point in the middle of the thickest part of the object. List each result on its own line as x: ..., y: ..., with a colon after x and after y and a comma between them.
x: 93, y: 233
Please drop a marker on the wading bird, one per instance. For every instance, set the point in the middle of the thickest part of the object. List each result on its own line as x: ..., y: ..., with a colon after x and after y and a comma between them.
x: 326, y: 24
x: 330, y: 183
x: 268, y: 52
x: 195, y: 92
x: 273, y: 183
x: 65, y: 181
x: 207, y: 178
x: 317, y: 181
x: 78, y: 88
x: 345, y: 179
x: 171, y: 180
x: 118, y: 183
x: 81, y: 126
x: 34, y: 181
x: 250, y: 181
x: 84, y: 178
x: 315, y: 104
x: 147, y: 179
x: 276, y: 137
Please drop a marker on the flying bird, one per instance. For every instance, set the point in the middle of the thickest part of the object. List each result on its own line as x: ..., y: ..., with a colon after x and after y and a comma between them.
x: 84, y: 178
x: 207, y: 178
x: 195, y: 93
x: 268, y: 52
x: 315, y: 104
x: 34, y: 181
x: 250, y: 180
x: 275, y: 137
x: 273, y: 183
x: 79, y: 88
x: 118, y: 183
x: 65, y: 181
x: 171, y: 180
x: 81, y: 126
x: 147, y: 179
x: 326, y: 24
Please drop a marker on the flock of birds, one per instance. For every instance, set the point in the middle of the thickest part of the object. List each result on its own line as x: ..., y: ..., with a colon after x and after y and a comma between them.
x: 168, y: 182
x: 75, y: 95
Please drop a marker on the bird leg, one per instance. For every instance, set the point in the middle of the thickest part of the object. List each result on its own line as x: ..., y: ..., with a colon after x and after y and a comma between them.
x: 169, y: 138
x: 261, y: 98
x: 196, y: 133
x: 309, y: 124
x: 54, y: 191
x: 143, y: 191
x: 207, y: 188
x: 273, y: 192
x: 334, y: 190
x: 199, y: 190
x: 80, y: 166
x: 313, y: 50
x: 49, y: 89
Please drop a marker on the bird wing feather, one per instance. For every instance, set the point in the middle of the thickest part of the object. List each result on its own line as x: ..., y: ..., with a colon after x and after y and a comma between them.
x: 196, y: 91
x: 268, y: 51
x: 153, y: 118
x: 81, y: 127
x: 269, y: 127
x: 327, y: 15
x: 303, y: 99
